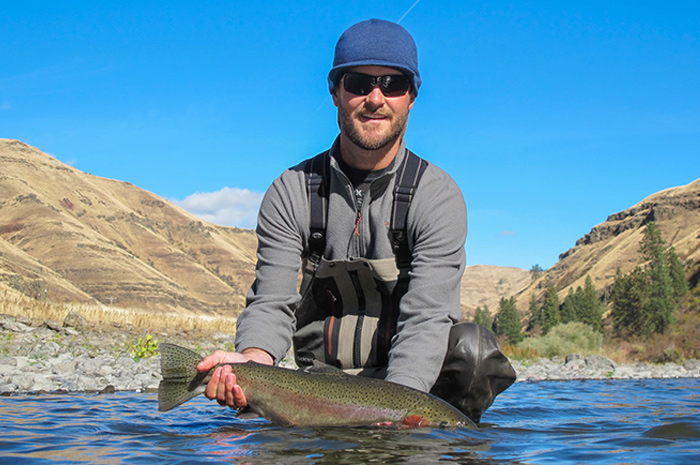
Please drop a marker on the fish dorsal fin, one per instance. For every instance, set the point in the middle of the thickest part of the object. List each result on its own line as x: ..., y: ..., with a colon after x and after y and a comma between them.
x: 321, y: 368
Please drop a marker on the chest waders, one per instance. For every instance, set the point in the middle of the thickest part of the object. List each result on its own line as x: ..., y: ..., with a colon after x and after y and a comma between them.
x: 349, y: 308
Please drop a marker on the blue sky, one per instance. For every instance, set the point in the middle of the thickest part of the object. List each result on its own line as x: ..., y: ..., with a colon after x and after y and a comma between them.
x: 549, y: 115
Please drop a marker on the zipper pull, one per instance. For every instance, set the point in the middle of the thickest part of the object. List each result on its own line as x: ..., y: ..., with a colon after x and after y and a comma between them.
x: 357, y: 225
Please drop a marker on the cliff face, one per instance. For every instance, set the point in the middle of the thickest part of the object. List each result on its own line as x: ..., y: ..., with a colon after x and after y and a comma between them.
x: 614, y: 243
x: 661, y: 207
x: 70, y: 236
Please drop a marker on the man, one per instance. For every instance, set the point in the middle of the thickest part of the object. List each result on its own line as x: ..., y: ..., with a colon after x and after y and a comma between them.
x: 380, y: 234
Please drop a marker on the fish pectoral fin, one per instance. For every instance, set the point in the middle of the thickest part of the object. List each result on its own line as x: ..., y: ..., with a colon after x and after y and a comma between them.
x: 247, y: 413
x: 384, y: 423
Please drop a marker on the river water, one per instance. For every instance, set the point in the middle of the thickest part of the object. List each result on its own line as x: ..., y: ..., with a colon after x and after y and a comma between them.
x: 592, y: 422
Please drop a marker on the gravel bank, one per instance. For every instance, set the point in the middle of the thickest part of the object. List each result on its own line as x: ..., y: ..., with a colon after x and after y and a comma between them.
x: 71, y: 356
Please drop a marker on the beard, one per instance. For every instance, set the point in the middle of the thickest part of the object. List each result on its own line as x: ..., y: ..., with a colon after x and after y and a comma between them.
x: 374, y: 140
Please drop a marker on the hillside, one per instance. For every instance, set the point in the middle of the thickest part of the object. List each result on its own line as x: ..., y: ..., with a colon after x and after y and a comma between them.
x: 485, y: 285
x: 614, y: 243
x: 72, y: 237
x: 68, y: 236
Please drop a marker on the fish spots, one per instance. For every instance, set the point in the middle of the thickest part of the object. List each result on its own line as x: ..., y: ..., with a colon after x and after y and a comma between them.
x: 291, y: 397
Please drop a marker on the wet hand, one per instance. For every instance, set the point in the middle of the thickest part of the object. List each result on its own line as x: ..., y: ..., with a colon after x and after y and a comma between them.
x: 223, y: 387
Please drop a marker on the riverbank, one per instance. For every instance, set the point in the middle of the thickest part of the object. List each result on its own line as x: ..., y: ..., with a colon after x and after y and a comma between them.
x: 75, y: 356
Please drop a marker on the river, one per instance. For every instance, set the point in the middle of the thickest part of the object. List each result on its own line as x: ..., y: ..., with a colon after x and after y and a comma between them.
x: 592, y: 421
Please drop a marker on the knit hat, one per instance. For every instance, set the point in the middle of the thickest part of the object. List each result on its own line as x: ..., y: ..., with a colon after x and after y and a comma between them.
x: 376, y: 42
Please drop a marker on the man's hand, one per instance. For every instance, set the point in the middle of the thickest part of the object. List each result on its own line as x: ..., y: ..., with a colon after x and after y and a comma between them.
x: 222, y: 386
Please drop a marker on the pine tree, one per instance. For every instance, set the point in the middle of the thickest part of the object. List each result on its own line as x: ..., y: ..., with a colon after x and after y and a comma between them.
x: 591, y: 310
x: 572, y: 306
x: 550, y: 312
x: 536, y: 271
x: 535, y: 319
x: 678, y: 280
x: 645, y: 301
x: 662, y: 300
x: 631, y: 295
x: 507, y: 321
x: 483, y: 317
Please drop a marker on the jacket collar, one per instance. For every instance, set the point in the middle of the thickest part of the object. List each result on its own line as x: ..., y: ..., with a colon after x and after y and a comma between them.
x: 334, y: 154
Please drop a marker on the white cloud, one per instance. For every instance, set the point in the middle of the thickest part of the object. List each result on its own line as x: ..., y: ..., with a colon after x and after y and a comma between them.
x: 226, y: 207
x: 5, y: 106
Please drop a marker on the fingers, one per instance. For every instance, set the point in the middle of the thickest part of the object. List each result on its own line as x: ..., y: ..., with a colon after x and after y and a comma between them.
x: 212, y: 360
x: 234, y: 393
x: 223, y: 388
x: 213, y: 385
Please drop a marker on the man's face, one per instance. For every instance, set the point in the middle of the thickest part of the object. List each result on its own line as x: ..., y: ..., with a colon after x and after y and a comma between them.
x: 372, y: 121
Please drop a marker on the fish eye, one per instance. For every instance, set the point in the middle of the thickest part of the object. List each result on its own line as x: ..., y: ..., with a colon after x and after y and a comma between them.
x: 444, y: 424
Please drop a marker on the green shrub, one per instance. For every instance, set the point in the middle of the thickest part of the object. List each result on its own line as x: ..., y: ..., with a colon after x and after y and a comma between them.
x: 565, y: 339
x: 144, y: 348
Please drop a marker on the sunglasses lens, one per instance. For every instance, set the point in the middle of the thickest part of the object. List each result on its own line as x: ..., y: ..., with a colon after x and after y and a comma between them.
x: 358, y: 84
x: 394, y: 85
x: 391, y: 85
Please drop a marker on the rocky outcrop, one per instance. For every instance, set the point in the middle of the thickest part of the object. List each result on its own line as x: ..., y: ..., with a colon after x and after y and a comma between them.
x: 614, y: 243
x: 663, y: 207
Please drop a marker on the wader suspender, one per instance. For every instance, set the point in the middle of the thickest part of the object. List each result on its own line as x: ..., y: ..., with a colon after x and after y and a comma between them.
x: 318, y: 187
x: 318, y: 190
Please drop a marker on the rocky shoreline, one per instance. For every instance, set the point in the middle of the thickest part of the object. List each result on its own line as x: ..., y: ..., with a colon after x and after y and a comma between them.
x: 72, y: 356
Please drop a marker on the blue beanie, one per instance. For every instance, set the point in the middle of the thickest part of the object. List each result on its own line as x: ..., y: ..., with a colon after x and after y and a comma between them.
x: 376, y: 42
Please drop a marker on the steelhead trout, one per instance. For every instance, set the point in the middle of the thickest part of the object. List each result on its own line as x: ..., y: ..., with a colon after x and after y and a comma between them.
x: 299, y: 398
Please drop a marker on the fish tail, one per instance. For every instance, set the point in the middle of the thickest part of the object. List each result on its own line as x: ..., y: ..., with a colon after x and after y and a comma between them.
x: 181, y: 380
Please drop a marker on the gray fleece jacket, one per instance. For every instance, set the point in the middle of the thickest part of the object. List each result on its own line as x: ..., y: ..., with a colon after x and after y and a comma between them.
x: 436, y: 228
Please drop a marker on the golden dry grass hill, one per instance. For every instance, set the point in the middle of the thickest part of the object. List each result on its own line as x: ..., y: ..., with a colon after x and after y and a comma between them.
x: 614, y: 243
x: 68, y: 236
x: 72, y: 237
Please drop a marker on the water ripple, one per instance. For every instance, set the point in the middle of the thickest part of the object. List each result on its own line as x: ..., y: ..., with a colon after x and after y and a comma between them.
x: 596, y: 422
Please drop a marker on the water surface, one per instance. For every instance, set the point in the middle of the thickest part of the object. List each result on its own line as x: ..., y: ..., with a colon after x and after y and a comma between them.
x: 593, y: 422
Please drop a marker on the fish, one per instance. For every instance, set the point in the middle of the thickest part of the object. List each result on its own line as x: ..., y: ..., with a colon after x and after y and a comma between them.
x: 300, y: 398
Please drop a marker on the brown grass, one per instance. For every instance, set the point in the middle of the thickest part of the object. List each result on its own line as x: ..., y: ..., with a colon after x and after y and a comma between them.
x: 102, y: 316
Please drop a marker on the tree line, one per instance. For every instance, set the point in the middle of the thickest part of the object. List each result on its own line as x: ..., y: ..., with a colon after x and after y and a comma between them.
x: 644, y: 301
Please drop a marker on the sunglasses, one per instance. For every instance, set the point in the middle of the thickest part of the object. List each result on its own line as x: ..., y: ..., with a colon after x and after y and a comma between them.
x: 391, y: 85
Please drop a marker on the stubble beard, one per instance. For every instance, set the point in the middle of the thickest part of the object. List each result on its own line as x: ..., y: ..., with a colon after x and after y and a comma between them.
x: 347, y: 126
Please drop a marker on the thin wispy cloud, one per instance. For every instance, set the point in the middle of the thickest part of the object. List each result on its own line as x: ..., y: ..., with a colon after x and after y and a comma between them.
x: 229, y: 206
x: 5, y: 106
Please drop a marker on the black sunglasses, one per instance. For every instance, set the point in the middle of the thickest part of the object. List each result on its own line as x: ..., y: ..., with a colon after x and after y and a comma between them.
x: 391, y: 85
